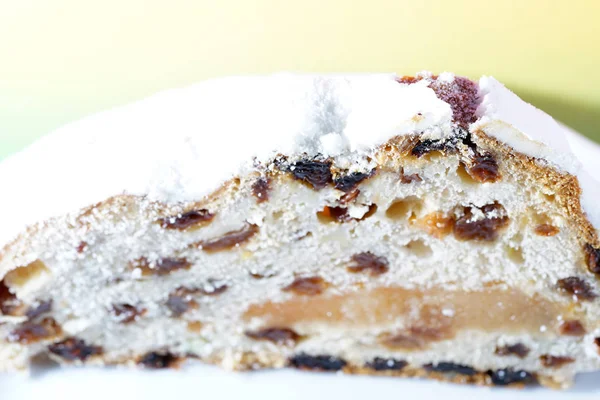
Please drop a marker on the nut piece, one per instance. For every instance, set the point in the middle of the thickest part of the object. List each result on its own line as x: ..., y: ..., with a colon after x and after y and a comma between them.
x: 319, y: 363
x: 368, y: 262
x: 484, y: 229
x: 261, y: 188
x: 159, y: 360
x: 508, y: 376
x: 546, y: 230
x: 315, y: 173
x: 73, y: 349
x: 281, y: 336
x: 517, y: 349
x: 30, y: 332
x: 186, y: 220
x: 127, y: 313
x: 549, y: 361
x: 571, y: 328
x: 164, y: 266
x: 577, y: 288
x: 450, y: 367
x: 386, y: 364
x: 309, y: 286
x: 229, y: 240
x: 592, y: 258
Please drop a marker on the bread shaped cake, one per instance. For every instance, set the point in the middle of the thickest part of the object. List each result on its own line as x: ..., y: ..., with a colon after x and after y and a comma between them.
x: 377, y: 224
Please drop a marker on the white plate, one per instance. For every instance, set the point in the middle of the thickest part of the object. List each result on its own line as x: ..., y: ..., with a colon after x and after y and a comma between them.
x: 207, y: 382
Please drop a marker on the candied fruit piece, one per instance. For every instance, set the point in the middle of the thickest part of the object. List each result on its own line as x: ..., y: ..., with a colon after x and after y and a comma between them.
x: 576, y: 287
x: 315, y: 173
x: 386, y: 364
x: 261, y: 188
x: 73, y: 349
x: 517, y: 349
x: 436, y: 224
x: 229, y: 240
x: 348, y: 183
x: 163, y: 266
x: 308, y: 286
x: 186, y: 220
x: 550, y: 361
x: 127, y: 313
x: 349, y: 196
x: 159, y: 360
x: 320, y: 362
x: 571, y: 328
x: 446, y: 367
x: 368, y: 262
x: 592, y: 258
x: 484, y: 168
x: 546, y: 230
x: 31, y: 332
x: 484, y: 229
x: 509, y: 376
x: 282, y: 336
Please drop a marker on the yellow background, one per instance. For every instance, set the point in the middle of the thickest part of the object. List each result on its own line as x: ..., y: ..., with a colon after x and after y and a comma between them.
x: 62, y: 59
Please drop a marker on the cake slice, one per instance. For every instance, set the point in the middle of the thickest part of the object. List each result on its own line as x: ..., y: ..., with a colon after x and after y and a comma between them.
x: 413, y: 226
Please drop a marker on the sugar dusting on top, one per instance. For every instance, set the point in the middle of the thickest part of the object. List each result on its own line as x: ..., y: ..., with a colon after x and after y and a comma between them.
x: 182, y: 144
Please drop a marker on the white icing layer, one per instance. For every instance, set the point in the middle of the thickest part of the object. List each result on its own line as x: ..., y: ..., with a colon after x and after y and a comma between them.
x: 182, y: 144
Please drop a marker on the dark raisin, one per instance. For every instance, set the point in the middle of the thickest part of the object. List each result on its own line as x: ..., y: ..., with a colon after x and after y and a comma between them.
x: 592, y: 258
x: 577, y: 287
x: 484, y: 168
x: 309, y: 286
x: 549, y: 361
x: 260, y: 189
x: 127, y: 313
x: 186, y: 220
x: 368, y: 262
x: 73, y: 349
x: 316, y: 173
x: 348, y: 183
x: 42, y: 308
x: 386, y: 364
x: 163, y: 266
x: 283, y: 336
x: 518, y: 349
x: 9, y: 304
x: 159, y: 360
x: 571, y: 328
x: 321, y: 363
x: 485, y: 229
x: 450, y: 367
x: 509, y: 376
x: 31, y: 332
x: 427, y: 146
x: 229, y: 240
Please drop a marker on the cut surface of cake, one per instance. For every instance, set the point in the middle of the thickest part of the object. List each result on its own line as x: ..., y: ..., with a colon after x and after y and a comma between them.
x: 377, y: 224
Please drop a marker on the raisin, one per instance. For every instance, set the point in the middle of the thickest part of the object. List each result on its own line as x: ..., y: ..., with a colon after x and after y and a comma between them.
x: 450, y: 367
x: 407, y: 179
x: 427, y: 146
x: 386, y: 364
x: 320, y: 363
x: 282, y: 336
x: 549, y: 361
x: 369, y: 262
x: 9, y: 304
x: 127, y: 313
x: 229, y: 240
x: 260, y: 189
x: 316, y: 173
x: 309, y: 286
x: 213, y: 288
x: 484, y: 168
x: 571, y: 328
x: 576, y: 287
x: 31, y: 332
x: 348, y: 183
x: 73, y: 349
x: 509, y: 376
x: 335, y: 214
x: 592, y: 259
x: 518, y: 349
x: 180, y: 301
x: 416, y: 337
x: 42, y: 308
x: 350, y: 196
x: 546, y: 230
x: 186, y: 220
x: 159, y: 360
x: 82, y: 247
x: 485, y: 229
x: 164, y: 266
